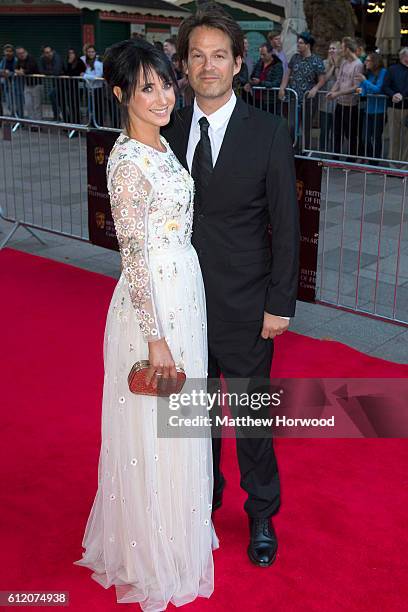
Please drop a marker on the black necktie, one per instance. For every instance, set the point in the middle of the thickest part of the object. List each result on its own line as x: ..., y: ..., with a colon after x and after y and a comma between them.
x: 202, y: 167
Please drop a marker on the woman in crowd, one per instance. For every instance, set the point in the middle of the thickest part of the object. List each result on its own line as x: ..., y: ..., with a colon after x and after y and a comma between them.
x: 70, y: 100
x: 326, y: 107
x: 371, y: 85
x: 93, y: 74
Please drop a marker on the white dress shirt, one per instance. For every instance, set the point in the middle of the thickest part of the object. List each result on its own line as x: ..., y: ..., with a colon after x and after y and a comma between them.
x: 218, y: 124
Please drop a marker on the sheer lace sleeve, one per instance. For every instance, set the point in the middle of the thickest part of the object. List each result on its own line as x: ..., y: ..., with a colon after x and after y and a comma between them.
x: 130, y: 194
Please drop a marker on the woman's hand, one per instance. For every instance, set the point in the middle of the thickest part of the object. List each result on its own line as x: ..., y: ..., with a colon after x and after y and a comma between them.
x: 161, y: 363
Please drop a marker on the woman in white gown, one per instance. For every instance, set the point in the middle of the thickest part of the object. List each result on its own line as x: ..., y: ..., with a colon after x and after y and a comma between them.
x: 150, y: 532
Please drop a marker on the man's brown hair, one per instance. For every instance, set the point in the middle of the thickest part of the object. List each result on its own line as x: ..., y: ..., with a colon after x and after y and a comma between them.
x: 210, y: 16
x: 350, y: 44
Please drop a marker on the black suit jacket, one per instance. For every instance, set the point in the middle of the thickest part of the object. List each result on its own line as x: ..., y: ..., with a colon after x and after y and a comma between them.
x: 245, y: 270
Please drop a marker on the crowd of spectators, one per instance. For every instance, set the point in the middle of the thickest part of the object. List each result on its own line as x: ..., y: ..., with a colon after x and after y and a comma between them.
x: 349, y: 96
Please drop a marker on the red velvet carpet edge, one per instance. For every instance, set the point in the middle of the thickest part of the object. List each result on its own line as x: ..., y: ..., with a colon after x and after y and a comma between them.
x: 343, y: 523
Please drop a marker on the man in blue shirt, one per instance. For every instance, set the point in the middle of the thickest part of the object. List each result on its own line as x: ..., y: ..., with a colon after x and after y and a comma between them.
x: 12, y: 88
x: 396, y: 87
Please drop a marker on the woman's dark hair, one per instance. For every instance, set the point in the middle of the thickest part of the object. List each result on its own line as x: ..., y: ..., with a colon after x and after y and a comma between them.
x: 88, y: 61
x: 74, y: 51
x: 210, y: 16
x: 130, y: 61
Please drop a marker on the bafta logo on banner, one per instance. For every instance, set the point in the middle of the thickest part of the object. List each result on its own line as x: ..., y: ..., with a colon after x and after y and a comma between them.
x: 101, y: 227
x: 99, y: 153
x: 100, y: 220
x: 300, y: 188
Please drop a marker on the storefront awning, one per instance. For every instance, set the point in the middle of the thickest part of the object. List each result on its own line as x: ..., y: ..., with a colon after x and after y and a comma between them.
x: 158, y: 8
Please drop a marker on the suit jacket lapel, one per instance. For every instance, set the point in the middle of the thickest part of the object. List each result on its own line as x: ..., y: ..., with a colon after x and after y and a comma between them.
x: 182, y: 122
x: 232, y: 140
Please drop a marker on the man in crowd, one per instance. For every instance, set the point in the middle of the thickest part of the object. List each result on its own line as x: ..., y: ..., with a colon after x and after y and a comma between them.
x: 396, y: 87
x: 305, y: 75
x: 169, y: 48
x: 12, y: 88
x: 275, y: 39
x: 27, y: 65
x: 267, y: 73
x: 346, y: 114
x: 361, y: 50
x: 51, y: 65
x: 247, y: 67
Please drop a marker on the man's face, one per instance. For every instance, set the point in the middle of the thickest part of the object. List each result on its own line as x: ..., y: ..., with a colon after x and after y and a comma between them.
x: 301, y: 46
x: 210, y: 65
x: 404, y: 59
x: 21, y: 54
x: 169, y: 49
x: 264, y: 55
x: 48, y: 53
x: 276, y: 42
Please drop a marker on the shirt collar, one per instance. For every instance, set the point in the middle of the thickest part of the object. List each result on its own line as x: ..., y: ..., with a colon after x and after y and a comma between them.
x: 217, y: 119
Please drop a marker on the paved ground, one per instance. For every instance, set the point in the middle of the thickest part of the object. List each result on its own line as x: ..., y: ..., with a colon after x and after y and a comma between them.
x: 363, y: 248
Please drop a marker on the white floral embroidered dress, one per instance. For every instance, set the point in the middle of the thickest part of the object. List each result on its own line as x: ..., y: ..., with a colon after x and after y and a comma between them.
x: 150, y: 532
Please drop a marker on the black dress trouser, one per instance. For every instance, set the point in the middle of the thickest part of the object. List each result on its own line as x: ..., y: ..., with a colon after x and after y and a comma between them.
x: 256, y: 457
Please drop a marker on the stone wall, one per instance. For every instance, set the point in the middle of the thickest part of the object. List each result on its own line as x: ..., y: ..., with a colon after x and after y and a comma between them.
x: 329, y: 20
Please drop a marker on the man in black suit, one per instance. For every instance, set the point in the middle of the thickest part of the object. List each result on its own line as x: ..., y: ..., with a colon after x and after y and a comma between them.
x: 242, y: 161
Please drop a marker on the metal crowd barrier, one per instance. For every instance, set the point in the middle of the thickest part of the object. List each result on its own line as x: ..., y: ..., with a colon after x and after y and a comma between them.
x: 353, y: 127
x: 47, y: 98
x: 267, y: 99
x: 104, y: 106
x: 362, y: 263
x: 369, y: 129
x: 363, y: 240
x: 43, y: 178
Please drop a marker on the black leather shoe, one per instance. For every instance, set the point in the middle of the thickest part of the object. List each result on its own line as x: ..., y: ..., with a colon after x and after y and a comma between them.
x: 217, y: 495
x: 263, y: 543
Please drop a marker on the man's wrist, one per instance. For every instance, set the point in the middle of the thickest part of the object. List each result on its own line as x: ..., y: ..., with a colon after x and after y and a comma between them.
x: 280, y: 316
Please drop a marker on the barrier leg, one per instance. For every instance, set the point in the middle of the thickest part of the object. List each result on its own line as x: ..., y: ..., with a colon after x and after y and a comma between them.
x: 13, y: 231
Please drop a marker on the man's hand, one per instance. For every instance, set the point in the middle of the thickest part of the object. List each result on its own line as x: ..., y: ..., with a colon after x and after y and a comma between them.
x: 281, y: 94
x: 255, y: 81
x: 332, y: 95
x: 396, y: 98
x: 312, y: 93
x: 273, y: 326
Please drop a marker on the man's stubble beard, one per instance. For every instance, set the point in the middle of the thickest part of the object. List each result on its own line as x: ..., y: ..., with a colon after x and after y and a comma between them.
x: 213, y: 92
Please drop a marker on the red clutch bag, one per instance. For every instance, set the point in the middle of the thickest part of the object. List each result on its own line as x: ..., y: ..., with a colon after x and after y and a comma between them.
x: 138, y: 385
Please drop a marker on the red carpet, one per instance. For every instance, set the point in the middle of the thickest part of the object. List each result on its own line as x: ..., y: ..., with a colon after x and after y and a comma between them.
x: 343, y: 523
